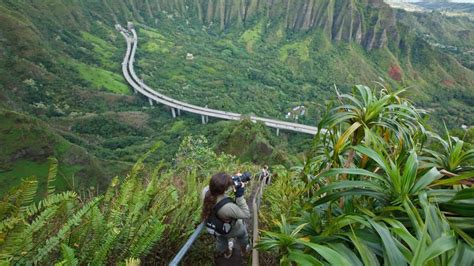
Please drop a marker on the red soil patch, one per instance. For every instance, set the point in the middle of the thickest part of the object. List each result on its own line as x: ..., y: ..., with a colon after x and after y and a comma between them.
x: 447, y: 82
x: 395, y: 73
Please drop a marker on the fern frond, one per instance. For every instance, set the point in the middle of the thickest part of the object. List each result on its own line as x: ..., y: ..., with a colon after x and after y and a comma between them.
x: 23, y: 243
x: 9, y: 224
x: 52, y: 243
x: 147, y: 236
x: 54, y: 199
x: 52, y: 173
x: 132, y: 262
x: 101, y: 254
x: 24, y: 194
x: 69, y: 258
x: 90, y: 236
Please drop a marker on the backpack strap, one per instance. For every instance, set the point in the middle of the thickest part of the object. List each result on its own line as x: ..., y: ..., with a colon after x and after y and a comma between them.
x: 221, y: 204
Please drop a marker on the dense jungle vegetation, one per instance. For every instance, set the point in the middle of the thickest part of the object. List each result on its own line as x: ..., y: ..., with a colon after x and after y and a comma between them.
x: 91, y: 174
x: 60, y: 76
x: 378, y: 188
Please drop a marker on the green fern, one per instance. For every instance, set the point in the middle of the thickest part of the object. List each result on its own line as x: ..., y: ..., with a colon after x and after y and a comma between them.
x: 53, y: 199
x: 54, y: 241
x: 148, y: 235
x: 53, y: 171
x: 24, y: 243
x: 16, y: 200
x: 69, y: 259
x: 131, y: 262
x: 100, y: 256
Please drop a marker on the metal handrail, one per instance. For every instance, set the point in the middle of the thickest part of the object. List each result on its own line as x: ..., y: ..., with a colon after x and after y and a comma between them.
x: 186, y: 246
x: 255, y: 207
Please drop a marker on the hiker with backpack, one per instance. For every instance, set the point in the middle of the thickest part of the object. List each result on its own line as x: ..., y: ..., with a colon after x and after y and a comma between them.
x: 265, y: 175
x: 223, y: 216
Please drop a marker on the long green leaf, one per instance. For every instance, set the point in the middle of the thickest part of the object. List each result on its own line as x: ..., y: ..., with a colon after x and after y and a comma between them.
x: 464, y: 255
x: 383, y: 197
x: 343, y: 138
x: 333, y: 257
x: 374, y: 156
x: 303, y: 259
x: 464, y: 194
x: 456, y: 179
x: 399, y: 229
x: 348, y: 184
x: 409, y: 172
x: 368, y: 257
x: 425, y: 180
x: 394, y: 256
x: 438, y: 247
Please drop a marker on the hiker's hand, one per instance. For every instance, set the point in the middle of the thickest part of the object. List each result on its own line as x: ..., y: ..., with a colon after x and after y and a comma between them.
x: 239, y: 191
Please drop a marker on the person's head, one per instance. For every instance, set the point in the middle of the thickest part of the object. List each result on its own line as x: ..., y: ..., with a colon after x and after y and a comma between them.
x: 218, y: 185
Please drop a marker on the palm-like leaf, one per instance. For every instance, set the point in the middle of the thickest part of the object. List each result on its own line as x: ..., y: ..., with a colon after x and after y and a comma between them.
x: 454, y: 155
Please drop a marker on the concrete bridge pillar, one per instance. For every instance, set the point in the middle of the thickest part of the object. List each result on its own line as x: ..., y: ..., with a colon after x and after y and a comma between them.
x: 173, y: 112
x: 207, y: 119
x: 203, y: 119
x: 141, y: 85
x: 278, y: 132
x: 179, y: 112
x: 150, y: 101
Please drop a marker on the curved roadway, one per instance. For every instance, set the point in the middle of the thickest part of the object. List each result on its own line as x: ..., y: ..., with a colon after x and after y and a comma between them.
x: 142, y: 88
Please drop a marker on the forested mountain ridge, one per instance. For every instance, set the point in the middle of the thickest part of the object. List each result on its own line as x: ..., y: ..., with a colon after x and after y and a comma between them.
x: 393, y: 50
x: 341, y: 20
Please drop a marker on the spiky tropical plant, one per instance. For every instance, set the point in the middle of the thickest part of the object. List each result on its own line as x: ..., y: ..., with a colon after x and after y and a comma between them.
x: 371, y: 197
x: 365, y: 116
x: 453, y: 155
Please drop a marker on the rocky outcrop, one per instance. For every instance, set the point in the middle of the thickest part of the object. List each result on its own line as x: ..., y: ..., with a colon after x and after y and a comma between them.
x: 370, y: 23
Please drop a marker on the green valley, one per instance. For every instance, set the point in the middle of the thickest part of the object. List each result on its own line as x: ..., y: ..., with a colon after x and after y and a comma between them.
x: 91, y: 173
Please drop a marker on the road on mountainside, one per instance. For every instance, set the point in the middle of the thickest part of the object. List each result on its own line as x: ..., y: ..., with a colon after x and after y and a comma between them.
x: 139, y: 86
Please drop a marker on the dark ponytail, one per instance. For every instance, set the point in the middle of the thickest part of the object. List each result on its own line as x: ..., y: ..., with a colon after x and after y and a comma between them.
x: 218, y: 185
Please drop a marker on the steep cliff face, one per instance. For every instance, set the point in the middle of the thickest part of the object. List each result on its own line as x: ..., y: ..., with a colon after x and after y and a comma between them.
x: 367, y: 22
x: 269, y: 28
x: 370, y: 23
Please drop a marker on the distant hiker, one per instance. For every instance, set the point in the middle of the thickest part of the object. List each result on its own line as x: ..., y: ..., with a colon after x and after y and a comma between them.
x: 265, y: 175
x: 223, y: 216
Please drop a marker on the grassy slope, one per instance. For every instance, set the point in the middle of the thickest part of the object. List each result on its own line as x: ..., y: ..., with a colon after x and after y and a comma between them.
x: 26, y: 145
x: 37, y: 79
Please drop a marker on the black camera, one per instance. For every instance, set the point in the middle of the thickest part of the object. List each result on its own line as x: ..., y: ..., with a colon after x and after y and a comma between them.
x: 238, y: 180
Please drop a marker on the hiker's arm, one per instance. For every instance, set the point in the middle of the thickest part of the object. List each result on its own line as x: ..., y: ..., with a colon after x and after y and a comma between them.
x: 239, y: 210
